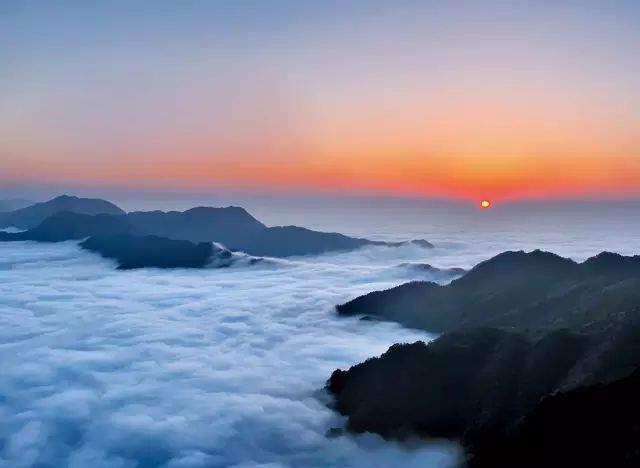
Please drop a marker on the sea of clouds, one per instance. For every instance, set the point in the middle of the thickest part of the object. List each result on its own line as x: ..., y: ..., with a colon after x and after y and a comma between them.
x: 225, y: 367
x: 179, y: 368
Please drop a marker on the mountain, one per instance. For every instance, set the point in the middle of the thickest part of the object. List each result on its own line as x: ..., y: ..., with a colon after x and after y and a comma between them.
x: 459, y: 384
x: 287, y: 241
x: 13, y: 204
x: 592, y: 426
x: 150, y: 251
x: 203, y: 224
x: 427, y: 268
x: 110, y: 237
x: 196, y: 225
x: 31, y: 216
x: 514, y: 290
x: 530, y: 339
x: 65, y: 226
x: 479, y: 385
x: 232, y: 226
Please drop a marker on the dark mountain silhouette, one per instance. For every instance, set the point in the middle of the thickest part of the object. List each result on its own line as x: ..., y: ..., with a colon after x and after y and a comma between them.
x: 231, y: 226
x: 72, y: 226
x: 12, y: 204
x: 287, y: 241
x: 477, y: 386
x: 419, y: 242
x: 31, y: 216
x: 202, y: 224
x: 427, y: 268
x: 518, y: 290
x: 150, y: 251
x: 592, y: 426
x: 530, y: 339
x: 457, y: 385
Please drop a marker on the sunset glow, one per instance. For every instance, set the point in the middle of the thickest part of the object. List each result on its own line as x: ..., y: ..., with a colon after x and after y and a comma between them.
x: 241, y: 233
x: 409, y: 99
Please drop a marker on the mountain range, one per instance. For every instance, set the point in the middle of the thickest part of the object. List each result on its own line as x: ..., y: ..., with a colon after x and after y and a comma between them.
x: 30, y: 216
x: 513, y: 290
x: 71, y: 218
x: 528, y: 340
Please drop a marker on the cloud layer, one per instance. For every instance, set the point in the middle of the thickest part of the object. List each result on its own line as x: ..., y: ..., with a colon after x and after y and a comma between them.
x: 213, y: 367
x: 186, y: 368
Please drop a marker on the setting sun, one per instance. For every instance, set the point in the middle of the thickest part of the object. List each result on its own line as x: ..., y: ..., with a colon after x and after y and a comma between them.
x: 485, y: 204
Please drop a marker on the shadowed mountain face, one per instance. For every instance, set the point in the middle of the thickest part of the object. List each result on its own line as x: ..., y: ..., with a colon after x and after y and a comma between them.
x: 149, y: 251
x: 536, y: 290
x: 461, y: 383
x: 70, y: 226
x: 593, y: 426
x: 203, y: 224
x: 476, y: 385
x: 427, y: 268
x: 286, y: 241
x: 31, y: 216
x: 109, y: 236
x: 562, y: 327
x: 230, y: 226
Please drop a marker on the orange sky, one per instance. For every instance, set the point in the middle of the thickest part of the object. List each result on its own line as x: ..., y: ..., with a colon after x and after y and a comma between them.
x: 473, y: 102
x: 498, y: 146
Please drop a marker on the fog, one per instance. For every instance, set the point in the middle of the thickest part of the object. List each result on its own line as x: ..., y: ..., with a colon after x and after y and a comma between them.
x: 214, y: 367
x: 225, y: 367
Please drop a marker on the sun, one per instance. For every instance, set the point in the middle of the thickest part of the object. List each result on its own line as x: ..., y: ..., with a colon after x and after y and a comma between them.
x: 485, y: 204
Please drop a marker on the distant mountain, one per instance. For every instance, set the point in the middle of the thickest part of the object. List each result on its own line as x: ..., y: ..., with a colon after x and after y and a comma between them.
x: 150, y: 251
x: 515, y: 290
x: 458, y: 384
x: 31, y: 216
x: 65, y: 226
x: 427, y: 268
x: 226, y: 225
x: 287, y: 241
x: 231, y: 226
x: 13, y: 204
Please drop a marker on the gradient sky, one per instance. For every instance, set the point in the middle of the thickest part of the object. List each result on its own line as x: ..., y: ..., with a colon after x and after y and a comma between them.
x: 469, y: 99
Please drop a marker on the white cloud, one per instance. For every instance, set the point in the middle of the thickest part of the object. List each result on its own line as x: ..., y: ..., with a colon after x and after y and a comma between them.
x: 184, y: 368
x: 208, y: 368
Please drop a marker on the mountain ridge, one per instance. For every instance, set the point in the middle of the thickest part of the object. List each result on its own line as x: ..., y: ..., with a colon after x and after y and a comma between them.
x: 231, y: 226
x: 512, y: 290
x: 30, y: 216
x: 525, y: 336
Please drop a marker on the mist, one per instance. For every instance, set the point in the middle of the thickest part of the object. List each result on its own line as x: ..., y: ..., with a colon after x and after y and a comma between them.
x: 187, y: 368
x: 225, y: 367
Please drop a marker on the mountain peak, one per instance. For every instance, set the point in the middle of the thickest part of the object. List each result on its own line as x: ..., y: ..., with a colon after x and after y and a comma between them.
x: 31, y: 216
x: 609, y: 261
x: 64, y: 197
x: 535, y: 259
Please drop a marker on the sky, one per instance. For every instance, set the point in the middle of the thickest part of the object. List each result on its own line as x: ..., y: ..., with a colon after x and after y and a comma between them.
x: 467, y: 99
